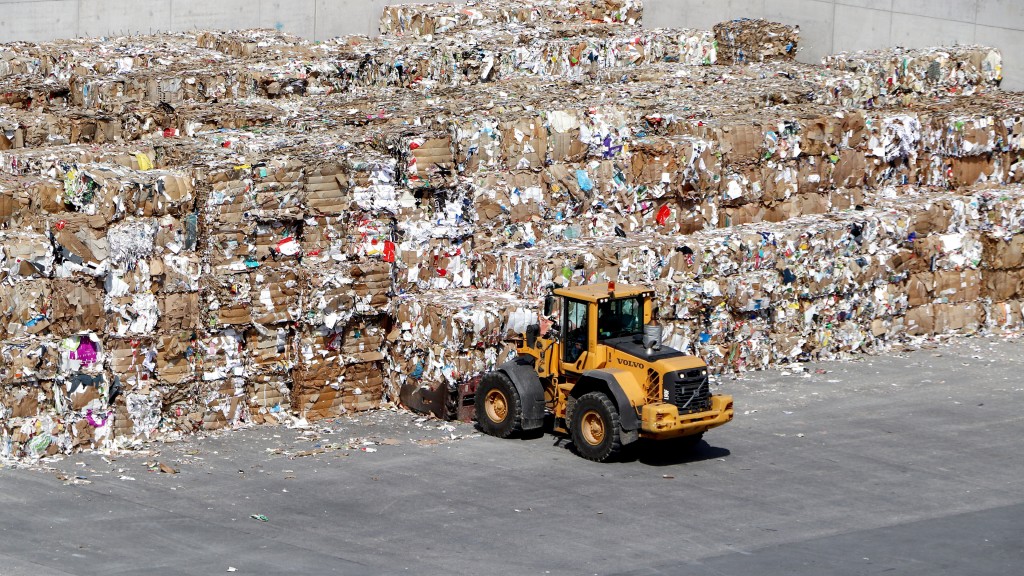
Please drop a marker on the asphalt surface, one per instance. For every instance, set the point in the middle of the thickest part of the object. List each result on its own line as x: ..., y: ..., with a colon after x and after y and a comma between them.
x: 905, y: 464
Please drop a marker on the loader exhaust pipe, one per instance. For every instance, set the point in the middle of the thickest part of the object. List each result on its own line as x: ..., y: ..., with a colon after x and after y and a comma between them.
x: 652, y: 337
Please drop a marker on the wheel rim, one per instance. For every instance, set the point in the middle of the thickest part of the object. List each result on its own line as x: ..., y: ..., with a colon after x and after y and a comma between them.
x: 496, y: 406
x: 592, y: 427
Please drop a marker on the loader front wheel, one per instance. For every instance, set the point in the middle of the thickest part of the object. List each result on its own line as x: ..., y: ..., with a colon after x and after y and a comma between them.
x: 595, y: 427
x: 498, y: 408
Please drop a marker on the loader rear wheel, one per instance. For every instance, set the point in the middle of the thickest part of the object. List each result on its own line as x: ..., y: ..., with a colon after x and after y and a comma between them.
x: 595, y: 427
x: 498, y: 408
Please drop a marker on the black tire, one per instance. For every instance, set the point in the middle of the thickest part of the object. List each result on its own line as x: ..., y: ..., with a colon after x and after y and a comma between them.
x: 499, y: 412
x: 595, y: 427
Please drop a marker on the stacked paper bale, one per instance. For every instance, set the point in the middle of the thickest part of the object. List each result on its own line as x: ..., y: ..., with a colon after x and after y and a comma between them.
x: 441, y: 338
x: 348, y: 256
x: 872, y: 78
x: 252, y: 225
x: 747, y: 40
x: 555, y: 54
x: 443, y: 18
x: 32, y: 400
x: 92, y: 300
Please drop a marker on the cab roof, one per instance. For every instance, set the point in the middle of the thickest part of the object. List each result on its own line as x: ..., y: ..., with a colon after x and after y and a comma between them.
x: 599, y: 291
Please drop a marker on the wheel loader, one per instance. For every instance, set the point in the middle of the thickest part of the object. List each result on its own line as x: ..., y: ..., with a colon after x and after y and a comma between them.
x: 596, y: 363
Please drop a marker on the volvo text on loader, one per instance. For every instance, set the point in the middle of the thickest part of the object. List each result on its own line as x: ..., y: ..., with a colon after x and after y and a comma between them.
x: 597, y: 364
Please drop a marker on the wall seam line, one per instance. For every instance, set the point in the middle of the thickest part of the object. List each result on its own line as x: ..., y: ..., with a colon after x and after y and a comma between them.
x: 832, y: 48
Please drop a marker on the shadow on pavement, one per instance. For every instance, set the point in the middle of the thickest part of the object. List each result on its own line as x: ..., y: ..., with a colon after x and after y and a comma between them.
x: 671, y: 452
x: 655, y: 453
x: 649, y: 452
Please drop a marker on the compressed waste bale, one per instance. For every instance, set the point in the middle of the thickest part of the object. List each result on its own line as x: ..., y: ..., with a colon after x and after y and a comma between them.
x: 755, y: 40
x: 881, y: 74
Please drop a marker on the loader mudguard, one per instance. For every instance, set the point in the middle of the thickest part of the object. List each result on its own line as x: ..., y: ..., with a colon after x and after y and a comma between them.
x: 523, y: 375
x: 602, y: 381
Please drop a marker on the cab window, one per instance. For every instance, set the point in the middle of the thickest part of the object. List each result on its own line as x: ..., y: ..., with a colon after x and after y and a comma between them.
x: 619, y: 318
x: 575, y: 326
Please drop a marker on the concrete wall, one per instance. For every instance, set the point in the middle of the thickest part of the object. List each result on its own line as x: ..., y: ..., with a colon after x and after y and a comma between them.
x: 826, y: 25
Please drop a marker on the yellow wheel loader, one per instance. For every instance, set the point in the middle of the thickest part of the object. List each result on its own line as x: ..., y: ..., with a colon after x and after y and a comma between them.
x: 596, y: 363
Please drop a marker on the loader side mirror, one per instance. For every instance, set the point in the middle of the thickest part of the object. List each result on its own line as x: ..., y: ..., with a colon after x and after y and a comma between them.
x: 532, y: 332
x: 549, y: 305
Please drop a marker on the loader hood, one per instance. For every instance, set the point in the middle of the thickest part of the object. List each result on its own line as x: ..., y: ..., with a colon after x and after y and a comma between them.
x: 633, y: 345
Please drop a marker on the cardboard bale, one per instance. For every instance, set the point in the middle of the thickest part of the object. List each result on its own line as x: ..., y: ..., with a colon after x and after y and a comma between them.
x: 180, y: 356
x: 1003, y: 253
x: 220, y: 355
x: 346, y: 343
x: 1004, y: 316
x: 25, y: 255
x: 179, y: 312
x: 224, y: 403
x: 15, y: 200
x: 758, y: 40
x: 25, y: 306
x: 333, y: 296
x: 75, y: 307
x: 28, y: 359
x: 228, y: 298
x: 270, y: 400
x: 81, y: 383
x: 1003, y: 285
x: 276, y: 244
x: 176, y: 273
x: 876, y: 75
x: 131, y: 362
x: 278, y: 191
x: 446, y: 18
x: 326, y: 190
x: 275, y: 296
x: 270, y: 350
x: 327, y: 391
x: 441, y: 340
x: 259, y: 43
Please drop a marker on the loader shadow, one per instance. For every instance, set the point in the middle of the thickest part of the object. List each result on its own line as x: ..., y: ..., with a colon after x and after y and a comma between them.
x: 670, y: 452
x: 647, y: 452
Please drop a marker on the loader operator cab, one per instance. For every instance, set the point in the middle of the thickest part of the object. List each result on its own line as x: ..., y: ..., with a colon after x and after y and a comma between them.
x: 620, y: 318
x: 616, y: 318
x: 575, y: 325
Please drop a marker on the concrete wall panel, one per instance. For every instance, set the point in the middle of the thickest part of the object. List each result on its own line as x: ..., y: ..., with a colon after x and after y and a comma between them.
x: 225, y: 14
x: 292, y: 16
x: 340, y: 17
x: 859, y: 28
x: 109, y: 17
x: 958, y: 10
x: 34, y: 20
x: 1002, y: 13
x: 702, y: 14
x: 815, y: 21
x: 873, y: 4
x: 921, y: 31
x: 665, y: 15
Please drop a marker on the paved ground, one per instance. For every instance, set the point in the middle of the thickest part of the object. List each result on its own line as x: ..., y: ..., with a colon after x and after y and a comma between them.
x: 902, y: 465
